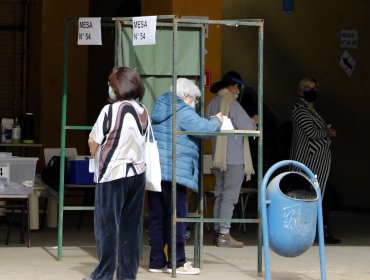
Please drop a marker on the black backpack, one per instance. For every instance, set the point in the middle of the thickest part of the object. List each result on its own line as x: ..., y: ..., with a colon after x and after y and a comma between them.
x: 50, y: 175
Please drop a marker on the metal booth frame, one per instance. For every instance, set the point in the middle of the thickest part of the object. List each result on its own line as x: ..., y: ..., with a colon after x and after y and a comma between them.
x: 174, y: 22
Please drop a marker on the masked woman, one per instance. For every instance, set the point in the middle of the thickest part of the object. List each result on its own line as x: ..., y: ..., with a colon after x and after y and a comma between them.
x: 117, y: 143
x: 311, y: 139
x: 231, y: 155
x: 187, y: 173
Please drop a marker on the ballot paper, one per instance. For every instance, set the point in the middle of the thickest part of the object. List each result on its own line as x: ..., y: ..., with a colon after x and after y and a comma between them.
x: 227, y: 125
x: 91, y: 165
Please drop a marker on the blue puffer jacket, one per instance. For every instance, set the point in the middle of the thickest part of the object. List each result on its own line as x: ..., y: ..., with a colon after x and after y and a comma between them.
x: 187, y: 152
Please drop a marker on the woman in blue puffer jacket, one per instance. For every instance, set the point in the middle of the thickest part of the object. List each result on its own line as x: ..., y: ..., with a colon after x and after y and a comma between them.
x: 187, y: 172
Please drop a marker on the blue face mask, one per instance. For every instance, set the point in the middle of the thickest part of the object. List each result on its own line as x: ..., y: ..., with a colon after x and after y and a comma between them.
x: 111, y: 94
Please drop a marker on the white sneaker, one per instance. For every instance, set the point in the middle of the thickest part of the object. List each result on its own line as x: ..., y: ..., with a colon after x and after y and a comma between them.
x: 187, y: 269
x: 157, y: 270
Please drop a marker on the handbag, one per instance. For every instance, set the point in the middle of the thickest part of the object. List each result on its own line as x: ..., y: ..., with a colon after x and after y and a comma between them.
x: 151, y: 158
x: 51, y: 174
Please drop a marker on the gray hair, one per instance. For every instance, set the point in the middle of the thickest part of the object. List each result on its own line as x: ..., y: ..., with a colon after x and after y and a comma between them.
x: 185, y: 86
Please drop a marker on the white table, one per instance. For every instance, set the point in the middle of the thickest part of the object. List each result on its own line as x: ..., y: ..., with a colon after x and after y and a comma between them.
x: 13, y: 191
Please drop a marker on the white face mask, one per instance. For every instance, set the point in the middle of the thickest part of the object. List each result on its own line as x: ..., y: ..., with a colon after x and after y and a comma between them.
x: 111, y: 93
x: 192, y: 104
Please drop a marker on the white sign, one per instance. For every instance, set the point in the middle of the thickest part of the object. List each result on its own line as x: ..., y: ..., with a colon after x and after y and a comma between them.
x: 349, y: 39
x: 89, y: 31
x: 347, y: 63
x: 143, y: 31
x: 4, y: 171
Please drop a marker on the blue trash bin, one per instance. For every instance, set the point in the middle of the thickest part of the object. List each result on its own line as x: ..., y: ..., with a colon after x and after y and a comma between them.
x: 292, y: 212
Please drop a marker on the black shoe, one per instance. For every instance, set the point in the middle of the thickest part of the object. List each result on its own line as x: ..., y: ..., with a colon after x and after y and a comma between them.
x: 215, y: 236
x: 330, y: 239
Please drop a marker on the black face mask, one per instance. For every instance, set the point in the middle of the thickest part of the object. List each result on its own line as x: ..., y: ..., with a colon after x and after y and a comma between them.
x: 310, y: 95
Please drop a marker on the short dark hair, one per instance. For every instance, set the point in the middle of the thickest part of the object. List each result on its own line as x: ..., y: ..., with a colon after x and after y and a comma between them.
x: 126, y: 84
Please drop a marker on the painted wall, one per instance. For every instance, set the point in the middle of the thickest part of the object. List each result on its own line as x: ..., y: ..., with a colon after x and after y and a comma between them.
x: 46, y: 72
x: 307, y: 43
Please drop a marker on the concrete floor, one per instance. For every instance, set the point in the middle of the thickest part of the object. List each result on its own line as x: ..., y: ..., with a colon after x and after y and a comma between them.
x: 349, y: 260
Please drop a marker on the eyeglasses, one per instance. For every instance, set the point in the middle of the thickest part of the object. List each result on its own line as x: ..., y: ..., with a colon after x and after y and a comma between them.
x: 196, y: 100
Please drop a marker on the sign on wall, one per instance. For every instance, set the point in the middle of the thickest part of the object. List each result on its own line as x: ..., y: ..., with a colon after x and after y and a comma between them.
x: 347, y: 63
x: 143, y: 30
x: 207, y: 78
x: 89, y: 31
x: 288, y: 6
x: 349, y: 39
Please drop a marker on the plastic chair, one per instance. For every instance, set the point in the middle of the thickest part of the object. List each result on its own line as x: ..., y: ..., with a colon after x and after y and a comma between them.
x: 70, y: 153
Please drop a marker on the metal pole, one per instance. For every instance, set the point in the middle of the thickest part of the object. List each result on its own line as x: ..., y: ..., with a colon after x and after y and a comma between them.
x: 260, y: 142
x: 198, y: 236
x: 174, y: 135
x: 63, y: 140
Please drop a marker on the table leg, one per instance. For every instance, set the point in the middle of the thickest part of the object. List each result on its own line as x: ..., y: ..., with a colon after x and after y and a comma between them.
x: 28, y: 223
x: 34, y: 210
x: 9, y: 227
x: 52, y: 216
x: 22, y: 221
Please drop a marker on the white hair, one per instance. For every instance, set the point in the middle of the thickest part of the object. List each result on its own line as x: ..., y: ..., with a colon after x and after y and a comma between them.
x: 185, y: 86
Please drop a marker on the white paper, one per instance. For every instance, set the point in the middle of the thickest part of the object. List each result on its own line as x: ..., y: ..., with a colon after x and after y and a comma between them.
x: 227, y: 125
x: 349, y: 39
x: 4, y: 171
x: 89, y: 31
x: 28, y: 184
x: 91, y: 165
x: 143, y: 31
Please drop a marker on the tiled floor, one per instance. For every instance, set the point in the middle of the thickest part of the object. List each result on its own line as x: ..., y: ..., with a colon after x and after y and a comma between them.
x: 349, y: 260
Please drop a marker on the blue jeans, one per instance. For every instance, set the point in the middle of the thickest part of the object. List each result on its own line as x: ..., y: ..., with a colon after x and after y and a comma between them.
x: 160, y: 213
x: 118, y: 209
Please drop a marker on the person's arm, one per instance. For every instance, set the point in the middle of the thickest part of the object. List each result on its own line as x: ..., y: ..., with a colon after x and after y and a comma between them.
x: 93, y: 146
x: 305, y: 120
x: 96, y: 135
x: 240, y: 119
x: 189, y: 120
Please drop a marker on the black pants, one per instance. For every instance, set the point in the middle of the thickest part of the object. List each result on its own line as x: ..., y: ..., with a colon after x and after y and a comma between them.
x: 118, y: 209
x: 160, y: 213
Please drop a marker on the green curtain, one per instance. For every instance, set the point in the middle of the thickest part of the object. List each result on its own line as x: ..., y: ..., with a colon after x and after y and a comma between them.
x: 154, y: 62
